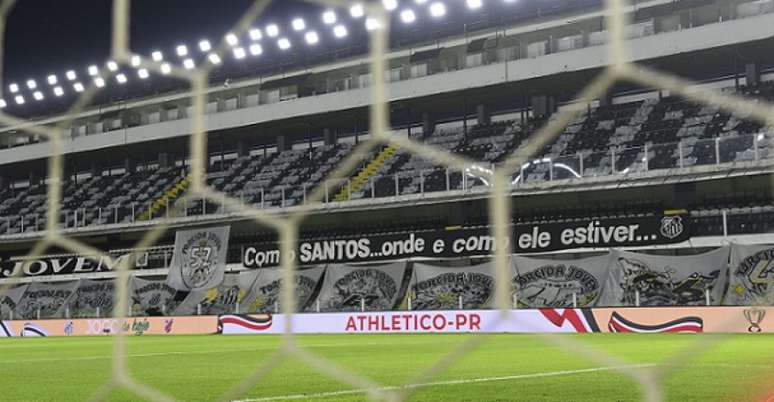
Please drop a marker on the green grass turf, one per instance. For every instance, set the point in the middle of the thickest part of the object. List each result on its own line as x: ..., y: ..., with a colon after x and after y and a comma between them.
x: 201, y: 368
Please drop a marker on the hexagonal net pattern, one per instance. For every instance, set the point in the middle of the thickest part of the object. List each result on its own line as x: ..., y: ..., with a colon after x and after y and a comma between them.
x: 651, y: 378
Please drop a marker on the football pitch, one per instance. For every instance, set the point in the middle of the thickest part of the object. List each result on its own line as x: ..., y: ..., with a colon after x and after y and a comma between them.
x: 500, y: 368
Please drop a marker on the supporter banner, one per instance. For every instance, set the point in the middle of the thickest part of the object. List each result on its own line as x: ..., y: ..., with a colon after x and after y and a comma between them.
x: 554, y: 283
x: 50, y: 299
x: 10, y: 299
x: 666, y: 280
x: 199, y: 260
x: 198, y: 325
x: 151, y: 297
x: 440, y: 288
x: 91, y: 297
x: 538, y: 238
x: 62, y: 265
x: 643, y: 320
x: 751, y: 279
x: 222, y: 299
x: 346, y: 287
x: 265, y: 295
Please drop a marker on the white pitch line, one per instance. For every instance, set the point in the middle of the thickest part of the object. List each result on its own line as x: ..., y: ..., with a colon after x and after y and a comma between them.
x: 442, y: 383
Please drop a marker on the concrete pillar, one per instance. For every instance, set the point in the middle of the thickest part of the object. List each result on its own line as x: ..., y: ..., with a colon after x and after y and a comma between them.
x: 482, y: 115
x: 428, y: 123
x: 96, y: 169
x: 752, y: 74
x: 243, y: 148
x: 34, y: 178
x: 543, y: 105
x: 130, y: 165
x: 165, y: 160
x: 283, y: 144
x: 330, y: 137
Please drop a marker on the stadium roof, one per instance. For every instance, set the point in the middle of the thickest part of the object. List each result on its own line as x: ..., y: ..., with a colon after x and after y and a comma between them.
x: 43, y: 80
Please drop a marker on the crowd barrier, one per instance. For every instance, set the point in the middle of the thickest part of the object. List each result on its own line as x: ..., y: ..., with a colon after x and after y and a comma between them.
x: 586, y: 320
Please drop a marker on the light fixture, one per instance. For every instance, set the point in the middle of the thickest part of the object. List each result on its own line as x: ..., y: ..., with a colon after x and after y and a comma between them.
x: 58, y: 91
x: 135, y: 61
x: 52, y: 80
x: 357, y: 11
x: 272, y: 30
x: 93, y: 70
x: 371, y: 23
x: 112, y: 65
x: 239, y: 53
x: 78, y: 87
x: 214, y: 58
x: 166, y: 68
x: 157, y: 56
x: 232, y: 39
x: 38, y: 95
x: 189, y: 64
x: 143, y: 73
x: 99, y: 82
x: 14, y: 88
x: 438, y: 9
x: 71, y: 75
x: 256, y: 49
x: 298, y: 24
x: 329, y: 17
x: 204, y: 45
x: 182, y: 50
x: 255, y: 34
x: 474, y: 4
x: 340, y: 31
x: 121, y: 78
x: 19, y: 99
x: 390, y: 4
x: 420, y: 2
x: 312, y: 38
x: 3, y: 104
x: 408, y: 16
x: 31, y: 84
x: 283, y: 43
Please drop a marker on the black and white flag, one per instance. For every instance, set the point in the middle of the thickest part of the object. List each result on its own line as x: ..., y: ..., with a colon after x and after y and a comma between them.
x: 345, y: 287
x: 92, y: 297
x: 199, y: 260
x: 222, y: 299
x: 10, y: 299
x: 444, y: 288
x: 666, y: 280
x: 540, y: 283
x: 751, y: 279
x: 151, y: 297
x: 265, y: 295
x: 50, y: 299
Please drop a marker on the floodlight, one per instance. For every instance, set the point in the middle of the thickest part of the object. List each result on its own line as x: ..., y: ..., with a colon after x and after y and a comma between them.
x: 3, y: 104
x: 52, y: 80
x: 371, y: 23
x: 204, y: 45
x: 38, y: 95
x: 356, y: 11
x: 437, y: 9
x: 214, y: 58
x: 166, y: 68
x: 135, y: 61
x: 157, y: 56
x: 284, y: 43
x: 31, y: 84
x: 78, y: 87
x: 71, y: 75
x: 272, y: 30
x: 298, y: 24
x: 340, y: 31
x: 312, y: 38
x: 329, y: 17
x: 256, y: 49
x: 474, y: 4
x: 408, y: 16
x: 93, y: 70
x: 390, y: 4
x: 99, y: 82
x: 182, y: 50
x: 232, y: 39
x: 189, y: 64
x: 239, y: 53
x: 121, y: 78
x: 19, y: 99
x: 14, y: 88
x: 58, y: 91
x: 143, y: 73
x: 112, y: 65
x: 420, y: 1
x: 255, y: 34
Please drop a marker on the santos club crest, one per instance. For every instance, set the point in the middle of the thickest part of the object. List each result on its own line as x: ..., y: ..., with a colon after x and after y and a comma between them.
x: 671, y: 226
